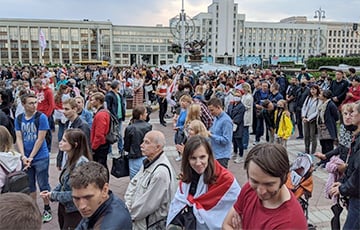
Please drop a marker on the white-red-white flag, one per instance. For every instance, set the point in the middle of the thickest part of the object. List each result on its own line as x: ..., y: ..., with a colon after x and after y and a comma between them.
x: 42, y: 42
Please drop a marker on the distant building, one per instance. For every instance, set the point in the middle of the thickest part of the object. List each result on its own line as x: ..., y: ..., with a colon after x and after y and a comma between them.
x: 230, y: 39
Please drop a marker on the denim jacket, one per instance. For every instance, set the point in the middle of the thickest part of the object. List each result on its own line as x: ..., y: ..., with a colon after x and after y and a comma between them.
x: 62, y: 192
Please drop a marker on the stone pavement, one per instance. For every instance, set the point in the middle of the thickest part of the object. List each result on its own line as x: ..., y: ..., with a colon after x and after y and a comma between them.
x: 320, y: 213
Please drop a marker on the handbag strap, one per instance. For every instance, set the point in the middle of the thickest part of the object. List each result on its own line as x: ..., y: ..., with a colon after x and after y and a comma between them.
x: 148, y: 217
x: 6, y: 172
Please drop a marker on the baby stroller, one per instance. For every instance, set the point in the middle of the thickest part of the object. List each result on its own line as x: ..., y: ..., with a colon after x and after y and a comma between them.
x: 300, y: 181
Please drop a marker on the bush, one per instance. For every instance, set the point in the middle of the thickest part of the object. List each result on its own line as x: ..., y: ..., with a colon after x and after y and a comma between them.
x: 316, y: 62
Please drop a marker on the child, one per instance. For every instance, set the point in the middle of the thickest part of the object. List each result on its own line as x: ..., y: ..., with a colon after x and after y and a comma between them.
x: 283, y: 124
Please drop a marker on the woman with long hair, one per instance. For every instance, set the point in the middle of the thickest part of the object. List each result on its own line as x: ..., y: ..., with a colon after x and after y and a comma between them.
x: 204, y: 184
x: 161, y: 92
x: 309, y: 113
x: 326, y: 121
x: 179, y: 122
x: 193, y: 113
x: 9, y: 160
x: 248, y: 101
x: 61, y: 95
x: 195, y: 127
x: 74, y: 143
x: 138, y: 97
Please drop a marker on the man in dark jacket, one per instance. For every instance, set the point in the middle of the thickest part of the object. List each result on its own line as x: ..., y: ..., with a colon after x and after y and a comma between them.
x: 134, y: 136
x: 115, y: 104
x: 339, y: 88
x: 98, y: 206
x: 301, y: 94
x: 236, y: 112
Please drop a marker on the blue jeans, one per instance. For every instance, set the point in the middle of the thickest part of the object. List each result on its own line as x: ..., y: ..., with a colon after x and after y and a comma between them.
x: 135, y: 165
x: 39, y: 171
x: 245, y: 137
x: 352, y: 219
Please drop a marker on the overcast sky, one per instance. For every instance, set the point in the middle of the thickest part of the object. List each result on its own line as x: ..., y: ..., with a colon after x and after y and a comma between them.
x: 152, y: 12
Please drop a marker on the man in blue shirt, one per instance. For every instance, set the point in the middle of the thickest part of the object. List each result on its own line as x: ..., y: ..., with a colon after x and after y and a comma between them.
x: 30, y: 140
x: 221, y: 132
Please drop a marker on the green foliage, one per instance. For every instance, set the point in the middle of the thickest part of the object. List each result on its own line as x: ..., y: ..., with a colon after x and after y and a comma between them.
x: 316, y: 62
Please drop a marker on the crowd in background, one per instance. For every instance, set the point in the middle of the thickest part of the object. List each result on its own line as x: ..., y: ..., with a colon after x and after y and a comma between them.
x: 228, y: 104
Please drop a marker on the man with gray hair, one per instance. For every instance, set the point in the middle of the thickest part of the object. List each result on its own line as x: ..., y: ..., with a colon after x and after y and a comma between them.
x: 150, y: 192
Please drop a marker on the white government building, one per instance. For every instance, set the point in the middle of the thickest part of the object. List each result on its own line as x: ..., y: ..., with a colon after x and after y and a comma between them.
x: 230, y: 39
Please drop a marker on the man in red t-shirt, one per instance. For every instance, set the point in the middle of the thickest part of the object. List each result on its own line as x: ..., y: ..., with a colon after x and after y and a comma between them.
x: 264, y: 201
x: 45, y: 96
x: 46, y: 105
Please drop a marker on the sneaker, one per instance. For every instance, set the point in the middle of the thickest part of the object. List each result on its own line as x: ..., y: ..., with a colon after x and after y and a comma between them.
x: 238, y: 160
x: 234, y: 155
x: 178, y: 158
x: 46, y: 216
x: 256, y: 142
x: 299, y: 137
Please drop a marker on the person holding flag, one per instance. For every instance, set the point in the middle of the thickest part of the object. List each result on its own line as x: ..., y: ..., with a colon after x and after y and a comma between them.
x: 206, y: 189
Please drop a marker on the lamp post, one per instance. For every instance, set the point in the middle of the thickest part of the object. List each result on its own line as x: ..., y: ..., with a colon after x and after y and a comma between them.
x: 182, y: 33
x: 320, y: 14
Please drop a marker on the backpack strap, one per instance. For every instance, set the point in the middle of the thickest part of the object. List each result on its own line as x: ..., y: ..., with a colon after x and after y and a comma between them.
x: 6, y: 172
x: 19, y: 119
x: 36, y: 117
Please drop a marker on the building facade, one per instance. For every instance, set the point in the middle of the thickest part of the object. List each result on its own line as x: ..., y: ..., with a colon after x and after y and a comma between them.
x: 230, y: 39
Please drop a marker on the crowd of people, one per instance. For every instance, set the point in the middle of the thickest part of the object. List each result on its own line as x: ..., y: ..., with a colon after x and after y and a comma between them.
x: 213, y: 114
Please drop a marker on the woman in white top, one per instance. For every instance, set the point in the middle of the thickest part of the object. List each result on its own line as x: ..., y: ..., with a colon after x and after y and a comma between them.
x: 9, y: 160
x: 248, y: 101
x: 309, y: 113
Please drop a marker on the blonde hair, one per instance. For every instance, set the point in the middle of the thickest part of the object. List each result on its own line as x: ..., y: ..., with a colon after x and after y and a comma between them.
x: 246, y: 87
x: 193, y: 113
x: 199, y: 90
x: 199, y: 128
x: 6, y: 140
x: 186, y: 98
x: 349, y: 107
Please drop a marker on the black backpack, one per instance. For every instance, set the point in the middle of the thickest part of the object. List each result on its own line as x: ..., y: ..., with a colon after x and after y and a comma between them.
x: 113, y: 135
x: 16, y: 181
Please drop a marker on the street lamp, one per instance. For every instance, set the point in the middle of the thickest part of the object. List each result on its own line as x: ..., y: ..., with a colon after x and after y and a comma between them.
x: 182, y: 34
x: 320, y: 14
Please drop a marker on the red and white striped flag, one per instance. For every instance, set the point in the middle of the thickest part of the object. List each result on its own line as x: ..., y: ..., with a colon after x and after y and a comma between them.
x: 210, y: 203
x: 42, y: 42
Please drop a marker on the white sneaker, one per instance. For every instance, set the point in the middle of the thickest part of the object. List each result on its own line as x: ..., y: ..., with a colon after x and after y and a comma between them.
x: 238, y: 160
x: 234, y: 155
x: 255, y: 143
x: 178, y: 158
